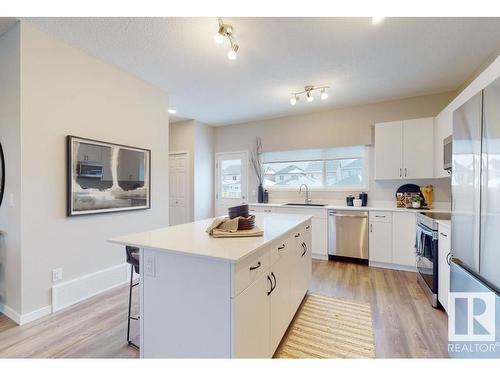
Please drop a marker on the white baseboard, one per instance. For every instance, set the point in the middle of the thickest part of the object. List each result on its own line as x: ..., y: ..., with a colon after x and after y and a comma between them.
x: 22, y: 319
x: 320, y: 256
x: 397, y: 267
x: 73, y: 291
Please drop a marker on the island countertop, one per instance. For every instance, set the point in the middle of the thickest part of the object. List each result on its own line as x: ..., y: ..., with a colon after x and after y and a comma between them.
x: 191, y: 238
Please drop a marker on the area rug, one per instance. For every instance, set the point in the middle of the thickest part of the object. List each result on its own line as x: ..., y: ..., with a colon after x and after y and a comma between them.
x: 326, y: 327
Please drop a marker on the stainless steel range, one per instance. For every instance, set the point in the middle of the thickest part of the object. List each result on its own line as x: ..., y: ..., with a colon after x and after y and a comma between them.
x: 426, y: 248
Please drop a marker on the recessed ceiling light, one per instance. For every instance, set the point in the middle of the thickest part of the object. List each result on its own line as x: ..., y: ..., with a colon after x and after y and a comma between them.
x: 172, y: 111
x: 377, y: 20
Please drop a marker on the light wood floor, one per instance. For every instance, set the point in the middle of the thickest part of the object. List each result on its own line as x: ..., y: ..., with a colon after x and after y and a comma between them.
x: 405, y: 325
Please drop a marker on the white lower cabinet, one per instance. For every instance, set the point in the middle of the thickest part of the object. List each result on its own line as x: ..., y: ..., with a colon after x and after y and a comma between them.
x: 403, y: 238
x: 319, y: 235
x: 263, y: 311
x: 251, y: 320
x: 444, y: 249
x: 380, y: 242
x: 280, y: 299
x: 392, y: 240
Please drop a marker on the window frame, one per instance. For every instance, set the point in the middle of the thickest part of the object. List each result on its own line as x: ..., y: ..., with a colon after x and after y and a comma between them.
x: 340, y: 188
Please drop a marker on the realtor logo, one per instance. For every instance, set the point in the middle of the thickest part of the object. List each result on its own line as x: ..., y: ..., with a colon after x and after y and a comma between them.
x: 471, y: 317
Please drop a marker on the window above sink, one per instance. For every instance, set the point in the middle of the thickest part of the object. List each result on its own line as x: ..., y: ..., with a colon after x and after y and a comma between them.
x: 337, y: 168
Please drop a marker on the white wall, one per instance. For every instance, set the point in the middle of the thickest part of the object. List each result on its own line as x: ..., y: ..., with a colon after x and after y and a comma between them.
x: 339, y: 127
x: 66, y: 91
x: 10, y: 136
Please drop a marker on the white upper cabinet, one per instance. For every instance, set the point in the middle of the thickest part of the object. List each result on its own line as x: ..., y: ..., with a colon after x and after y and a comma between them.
x: 418, y: 148
x: 404, y: 149
x: 388, y: 150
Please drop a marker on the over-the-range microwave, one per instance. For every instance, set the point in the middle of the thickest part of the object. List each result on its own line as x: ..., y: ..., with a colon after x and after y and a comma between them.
x: 447, y: 153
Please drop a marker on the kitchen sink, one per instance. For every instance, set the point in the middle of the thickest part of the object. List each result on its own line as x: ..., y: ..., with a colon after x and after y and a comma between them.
x: 307, y: 204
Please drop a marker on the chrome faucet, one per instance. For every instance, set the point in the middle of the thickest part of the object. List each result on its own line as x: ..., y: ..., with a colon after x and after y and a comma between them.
x: 307, y: 200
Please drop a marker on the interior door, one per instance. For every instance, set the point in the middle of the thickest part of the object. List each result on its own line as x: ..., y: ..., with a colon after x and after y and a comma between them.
x: 231, y: 181
x: 178, y: 189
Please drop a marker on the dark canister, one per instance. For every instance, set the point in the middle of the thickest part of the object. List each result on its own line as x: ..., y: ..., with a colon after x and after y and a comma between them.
x: 350, y: 200
x: 364, y: 198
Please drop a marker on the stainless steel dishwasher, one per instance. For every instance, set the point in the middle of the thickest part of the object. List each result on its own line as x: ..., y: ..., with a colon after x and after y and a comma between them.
x: 348, y: 235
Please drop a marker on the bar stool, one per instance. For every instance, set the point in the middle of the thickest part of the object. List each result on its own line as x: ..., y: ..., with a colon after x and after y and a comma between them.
x: 133, y: 260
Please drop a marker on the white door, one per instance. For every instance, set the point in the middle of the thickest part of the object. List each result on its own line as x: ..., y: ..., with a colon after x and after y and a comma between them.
x: 230, y: 181
x: 178, y: 188
x: 388, y: 150
x: 418, y: 148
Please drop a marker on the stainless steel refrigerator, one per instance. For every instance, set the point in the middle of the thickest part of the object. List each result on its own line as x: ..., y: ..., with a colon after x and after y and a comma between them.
x: 475, y: 242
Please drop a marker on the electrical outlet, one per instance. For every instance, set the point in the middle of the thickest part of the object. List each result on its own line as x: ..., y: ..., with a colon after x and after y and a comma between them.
x: 57, y: 275
x: 149, y: 265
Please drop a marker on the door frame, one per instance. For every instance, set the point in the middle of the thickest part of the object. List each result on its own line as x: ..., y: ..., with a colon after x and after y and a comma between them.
x: 216, y: 171
x: 188, y: 182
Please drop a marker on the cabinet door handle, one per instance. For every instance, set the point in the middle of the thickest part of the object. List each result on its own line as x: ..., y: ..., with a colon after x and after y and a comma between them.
x: 304, y: 246
x: 281, y: 247
x: 448, y: 258
x: 308, y: 227
x: 443, y: 234
x: 371, y: 228
x: 274, y: 277
x: 255, y: 267
x: 405, y: 172
x: 400, y: 173
x: 297, y: 235
x: 270, y: 282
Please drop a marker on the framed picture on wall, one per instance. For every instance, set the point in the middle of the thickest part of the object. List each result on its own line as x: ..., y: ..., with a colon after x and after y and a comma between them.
x: 106, y: 177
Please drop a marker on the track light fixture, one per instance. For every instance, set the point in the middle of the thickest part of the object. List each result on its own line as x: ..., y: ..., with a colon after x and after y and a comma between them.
x: 226, y: 31
x: 309, y: 90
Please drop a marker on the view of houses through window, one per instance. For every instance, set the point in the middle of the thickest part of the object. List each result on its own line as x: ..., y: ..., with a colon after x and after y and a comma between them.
x: 334, y: 167
x: 231, y: 178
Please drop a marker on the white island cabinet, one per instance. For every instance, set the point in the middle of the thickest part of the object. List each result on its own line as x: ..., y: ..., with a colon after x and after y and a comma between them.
x: 204, y: 297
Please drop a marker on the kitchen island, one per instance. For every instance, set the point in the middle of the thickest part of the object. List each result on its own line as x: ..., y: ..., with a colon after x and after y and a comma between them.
x: 205, y: 297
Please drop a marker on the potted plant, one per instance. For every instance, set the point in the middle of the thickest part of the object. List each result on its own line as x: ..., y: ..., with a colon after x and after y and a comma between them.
x: 416, y: 201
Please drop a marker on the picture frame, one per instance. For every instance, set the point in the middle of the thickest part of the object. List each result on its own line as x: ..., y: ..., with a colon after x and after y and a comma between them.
x: 105, y: 177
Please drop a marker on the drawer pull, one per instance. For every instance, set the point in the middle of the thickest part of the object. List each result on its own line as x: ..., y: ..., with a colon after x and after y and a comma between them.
x: 281, y: 247
x: 443, y: 234
x: 255, y: 267
x: 304, y: 246
x: 297, y: 235
x: 274, y: 277
x: 381, y: 216
x: 270, y: 282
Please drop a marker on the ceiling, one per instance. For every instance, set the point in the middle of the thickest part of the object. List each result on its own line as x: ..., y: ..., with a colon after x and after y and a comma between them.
x: 362, y: 62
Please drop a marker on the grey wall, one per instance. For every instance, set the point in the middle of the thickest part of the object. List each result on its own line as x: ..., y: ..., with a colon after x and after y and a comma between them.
x: 10, y: 136
x: 339, y: 127
x: 66, y: 91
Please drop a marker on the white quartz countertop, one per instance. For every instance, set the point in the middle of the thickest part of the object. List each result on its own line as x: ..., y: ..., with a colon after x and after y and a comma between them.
x: 191, y: 238
x: 384, y: 207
